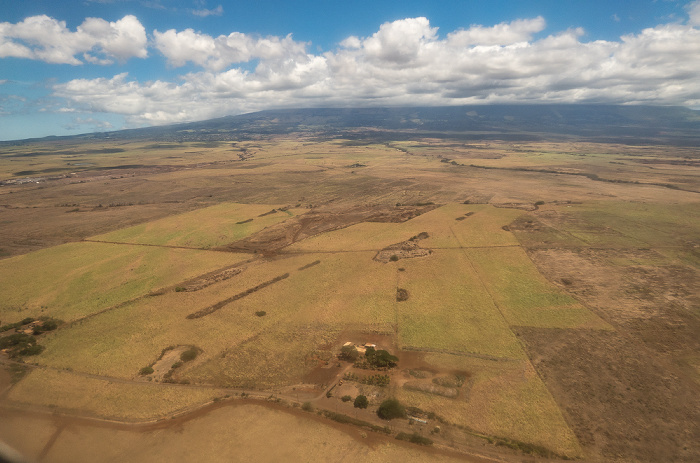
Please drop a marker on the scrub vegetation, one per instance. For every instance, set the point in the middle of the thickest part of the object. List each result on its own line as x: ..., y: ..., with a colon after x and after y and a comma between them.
x: 507, y: 297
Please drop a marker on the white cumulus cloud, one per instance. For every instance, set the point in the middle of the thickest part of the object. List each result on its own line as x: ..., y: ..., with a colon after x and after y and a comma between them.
x: 203, y: 13
x: 521, y: 30
x: 694, y: 13
x: 217, y: 53
x: 406, y: 62
x: 96, y: 40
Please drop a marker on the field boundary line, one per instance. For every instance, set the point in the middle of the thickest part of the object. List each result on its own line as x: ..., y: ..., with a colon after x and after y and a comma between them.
x: 152, y: 293
x: 88, y: 240
x: 528, y: 358
x: 461, y: 354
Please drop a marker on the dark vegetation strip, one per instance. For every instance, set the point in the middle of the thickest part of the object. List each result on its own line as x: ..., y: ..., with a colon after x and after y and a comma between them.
x: 219, y: 305
x: 340, y: 418
x: 26, y: 173
x: 273, y: 211
x: 414, y: 438
x: 462, y: 354
x: 87, y: 240
x: 65, y: 152
x: 304, y: 267
x: 588, y: 175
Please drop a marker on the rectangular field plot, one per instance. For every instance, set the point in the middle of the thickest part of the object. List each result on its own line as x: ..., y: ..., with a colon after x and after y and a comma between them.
x: 450, y: 226
x: 120, y: 341
x: 645, y: 223
x: 449, y: 310
x: 479, y: 225
x: 501, y: 399
x: 524, y: 295
x: 126, y: 401
x: 77, y: 279
x: 204, y: 228
x: 279, y: 357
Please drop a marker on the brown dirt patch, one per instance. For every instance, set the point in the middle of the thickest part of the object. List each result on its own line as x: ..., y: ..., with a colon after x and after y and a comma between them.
x: 165, y: 363
x: 622, y: 402
x: 658, y: 304
x: 325, y: 374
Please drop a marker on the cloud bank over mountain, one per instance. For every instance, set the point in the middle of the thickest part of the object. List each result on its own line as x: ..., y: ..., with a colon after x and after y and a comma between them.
x: 405, y: 62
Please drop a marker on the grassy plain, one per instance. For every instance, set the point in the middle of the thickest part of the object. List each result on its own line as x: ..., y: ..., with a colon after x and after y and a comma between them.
x: 524, y: 296
x: 120, y: 341
x: 453, y: 312
x: 74, y: 280
x: 203, y: 228
x: 235, y: 433
x: 104, y: 398
x: 450, y: 226
x: 613, y: 246
x: 504, y: 399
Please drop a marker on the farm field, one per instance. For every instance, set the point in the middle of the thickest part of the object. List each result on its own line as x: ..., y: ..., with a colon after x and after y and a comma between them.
x: 455, y: 314
x: 203, y: 229
x: 235, y: 433
x: 74, y: 280
x: 262, y: 258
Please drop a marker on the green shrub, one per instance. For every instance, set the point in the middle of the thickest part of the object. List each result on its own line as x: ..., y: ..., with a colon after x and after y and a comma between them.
x: 390, y: 409
x: 394, y: 258
x: 47, y: 324
x: 346, y: 398
x: 27, y: 349
x: 177, y: 364
x: 146, y: 371
x: 11, y: 326
x: 414, y: 438
x: 16, y: 339
x: 361, y: 402
x: 349, y: 353
x: 307, y: 407
x: 376, y: 380
x: 180, y: 289
x: 189, y: 355
x: 260, y: 313
x: 380, y: 358
x: 401, y: 295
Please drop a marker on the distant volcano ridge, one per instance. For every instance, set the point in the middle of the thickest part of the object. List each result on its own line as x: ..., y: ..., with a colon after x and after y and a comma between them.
x: 628, y: 124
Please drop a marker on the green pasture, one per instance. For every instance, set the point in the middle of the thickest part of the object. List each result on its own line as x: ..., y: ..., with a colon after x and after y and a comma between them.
x: 448, y: 309
x: 73, y: 280
x: 500, y: 399
x: 483, y: 227
x: 524, y: 296
x: 120, y: 341
x: 204, y: 228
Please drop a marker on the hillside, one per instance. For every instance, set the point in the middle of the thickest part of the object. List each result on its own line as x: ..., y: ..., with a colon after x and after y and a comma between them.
x: 597, y: 123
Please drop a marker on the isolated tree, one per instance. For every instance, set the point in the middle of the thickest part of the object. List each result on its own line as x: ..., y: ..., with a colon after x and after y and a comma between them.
x: 384, y: 359
x: 361, y: 402
x: 390, y: 409
x: 349, y: 353
x: 380, y: 358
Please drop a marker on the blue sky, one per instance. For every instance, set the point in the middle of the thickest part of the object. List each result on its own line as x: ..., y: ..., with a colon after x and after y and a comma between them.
x: 69, y: 67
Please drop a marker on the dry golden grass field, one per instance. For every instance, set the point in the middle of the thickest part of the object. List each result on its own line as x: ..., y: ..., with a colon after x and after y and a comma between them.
x: 542, y: 298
